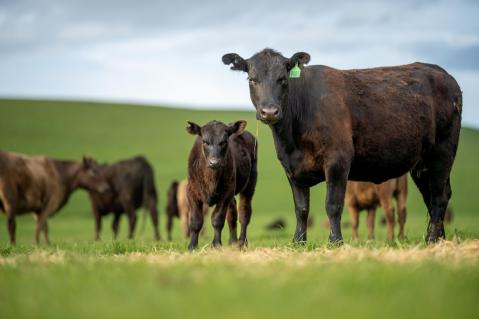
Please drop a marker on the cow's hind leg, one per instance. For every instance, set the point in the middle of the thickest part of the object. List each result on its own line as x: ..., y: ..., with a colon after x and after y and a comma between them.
x: 41, y: 226
x: 115, y: 225
x: 433, y: 182
x: 232, y: 218
x: 154, y: 218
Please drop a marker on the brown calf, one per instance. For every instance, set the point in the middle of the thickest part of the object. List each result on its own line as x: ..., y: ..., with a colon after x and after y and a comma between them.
x: 43, y: 186
x: 365, y: 195
x: 222, y: 163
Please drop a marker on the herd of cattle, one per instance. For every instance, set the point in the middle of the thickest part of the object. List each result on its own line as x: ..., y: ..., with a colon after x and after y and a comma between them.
x: 360, y: 131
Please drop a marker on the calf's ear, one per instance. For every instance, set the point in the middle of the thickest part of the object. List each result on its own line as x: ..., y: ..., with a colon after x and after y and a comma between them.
x: 236, y: 127
x: 299, y: 58
x: 238, y: 63
x: 193, y: 128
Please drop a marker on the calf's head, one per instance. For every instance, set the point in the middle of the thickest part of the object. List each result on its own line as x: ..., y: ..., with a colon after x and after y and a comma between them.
x: 268, y: 77
x: 214, y: 137
x: 90, y: 176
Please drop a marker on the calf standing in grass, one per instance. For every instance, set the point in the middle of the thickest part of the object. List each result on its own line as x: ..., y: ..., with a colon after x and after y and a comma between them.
x: 365, y: 195
x: 132, y: 186
x: 177, y: 206
x: 222, y: 163
x: 43, y: 186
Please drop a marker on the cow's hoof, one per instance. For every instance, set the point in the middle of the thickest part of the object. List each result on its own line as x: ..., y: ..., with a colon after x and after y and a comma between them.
x: 192, y: 247
x: 216, y: 244
x: 435, y: 233
x: 242, y: 244
x: 335, y: 241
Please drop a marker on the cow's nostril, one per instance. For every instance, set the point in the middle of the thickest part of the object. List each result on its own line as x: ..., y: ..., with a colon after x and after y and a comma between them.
x: 276, y: 112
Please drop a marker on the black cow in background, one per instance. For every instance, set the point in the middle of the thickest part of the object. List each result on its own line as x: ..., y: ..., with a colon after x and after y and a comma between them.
x: 132, y: 186
x: 364, y: 125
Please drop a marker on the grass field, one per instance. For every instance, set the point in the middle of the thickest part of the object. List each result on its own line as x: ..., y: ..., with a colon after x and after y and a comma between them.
x: 77, y: 277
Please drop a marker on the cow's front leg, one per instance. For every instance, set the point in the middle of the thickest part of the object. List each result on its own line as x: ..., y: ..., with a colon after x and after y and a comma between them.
x: 301, y: 206
x: 336, y: 179
x: 218, y: 221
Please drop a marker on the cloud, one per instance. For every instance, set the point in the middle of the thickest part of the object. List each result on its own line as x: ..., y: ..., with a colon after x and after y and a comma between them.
x: 169, y: 52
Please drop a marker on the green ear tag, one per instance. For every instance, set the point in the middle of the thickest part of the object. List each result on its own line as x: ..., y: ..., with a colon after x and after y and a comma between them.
x: 295, y: 72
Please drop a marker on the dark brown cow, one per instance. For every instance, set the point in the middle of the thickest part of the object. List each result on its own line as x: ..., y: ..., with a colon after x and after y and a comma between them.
x: 43, y: 186
x: 368, y: 196
x: 132, y: 186
x: 222, y: 163
x: 364, y: 125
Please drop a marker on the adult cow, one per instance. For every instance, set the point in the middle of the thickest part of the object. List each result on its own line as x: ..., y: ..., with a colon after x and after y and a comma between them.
x: 42, y: 185
x: 364, y: 125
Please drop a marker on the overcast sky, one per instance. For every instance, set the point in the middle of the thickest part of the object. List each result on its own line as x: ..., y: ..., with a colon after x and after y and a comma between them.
x: 169, y: 52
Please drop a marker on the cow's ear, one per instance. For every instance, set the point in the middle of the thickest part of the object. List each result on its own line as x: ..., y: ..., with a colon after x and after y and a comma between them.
x: 237, y: 127
x: 238, y: 63
x: 193, y: 128
x: 300, y: 58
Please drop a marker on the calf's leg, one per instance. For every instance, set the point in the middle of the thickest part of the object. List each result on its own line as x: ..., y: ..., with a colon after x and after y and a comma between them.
x: 370, y: 222
x: 354, y: 213
x: 388, y: 208
x: 245, y: 211
x: 401, y: 206
x: 232, y: 218
x: 196, y: 221
x: 218, y: 220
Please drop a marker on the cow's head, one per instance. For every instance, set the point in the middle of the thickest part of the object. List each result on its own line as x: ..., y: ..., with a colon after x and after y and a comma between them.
x: 90, y: 176
x: 268, y: 76
x: 214, y: 137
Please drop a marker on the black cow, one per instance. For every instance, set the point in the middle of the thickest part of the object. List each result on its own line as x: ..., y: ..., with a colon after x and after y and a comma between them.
x: 364, y: 125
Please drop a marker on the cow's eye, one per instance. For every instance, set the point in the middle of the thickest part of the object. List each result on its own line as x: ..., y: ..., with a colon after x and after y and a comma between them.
x: 252, y: 81
x: 283, y: 81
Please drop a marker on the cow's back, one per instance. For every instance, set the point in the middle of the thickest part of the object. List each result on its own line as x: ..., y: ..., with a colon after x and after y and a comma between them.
x: 397, y: 114
x: 32, y: 182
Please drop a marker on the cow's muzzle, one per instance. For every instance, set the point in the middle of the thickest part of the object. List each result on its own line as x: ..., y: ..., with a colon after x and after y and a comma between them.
x: 269, y: 115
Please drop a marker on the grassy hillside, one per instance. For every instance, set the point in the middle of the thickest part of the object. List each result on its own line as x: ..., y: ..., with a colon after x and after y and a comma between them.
x: 112, y: 132
x: 77, y: 277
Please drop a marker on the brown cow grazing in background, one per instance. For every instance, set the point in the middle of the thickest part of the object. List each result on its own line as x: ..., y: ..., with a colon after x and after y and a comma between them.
x: 365, y: 195
x: 222, y: 163
x: 132, y: 185
x: 43, y: 186
x: 177, y: 206
x: 363, y: 125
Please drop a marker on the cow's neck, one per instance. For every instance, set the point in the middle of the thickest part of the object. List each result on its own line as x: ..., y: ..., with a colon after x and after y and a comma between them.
x: 68, y: 172
x: 295, y: 120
